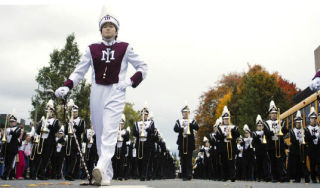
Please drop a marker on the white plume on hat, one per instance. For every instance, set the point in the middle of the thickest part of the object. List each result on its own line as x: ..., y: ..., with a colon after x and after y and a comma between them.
x: 107, y: 15
x: 298, y: 116
x: 50, y: 104
x: 272, y: 107
x: 259, y: 119
x: 312, y: 113
x: 61, y: 130
x: 185, y: 107
x: 123, y: 118
x: 70, y: 103
x: 225, y: 112
x: 75, y: 108
x: 246, y: 128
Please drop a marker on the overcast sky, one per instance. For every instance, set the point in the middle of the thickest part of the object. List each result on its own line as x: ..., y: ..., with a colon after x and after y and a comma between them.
x: 188, y: 46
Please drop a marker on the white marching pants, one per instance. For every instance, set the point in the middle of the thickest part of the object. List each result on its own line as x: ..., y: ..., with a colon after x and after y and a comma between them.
x: 106, y: 107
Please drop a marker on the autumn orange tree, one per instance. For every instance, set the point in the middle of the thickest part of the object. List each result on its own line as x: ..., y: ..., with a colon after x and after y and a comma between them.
x: 246, y: 94
x: 210, y: 103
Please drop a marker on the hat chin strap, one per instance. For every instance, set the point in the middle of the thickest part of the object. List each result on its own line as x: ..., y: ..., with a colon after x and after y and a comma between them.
x: 108, y: 40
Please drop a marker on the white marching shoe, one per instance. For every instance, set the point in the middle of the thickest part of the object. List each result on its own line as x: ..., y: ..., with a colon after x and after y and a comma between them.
x: 105, y: 183
x: 97, y: 176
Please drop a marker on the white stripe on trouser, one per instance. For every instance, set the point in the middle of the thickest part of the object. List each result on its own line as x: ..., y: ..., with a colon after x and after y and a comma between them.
x: 106, y: 106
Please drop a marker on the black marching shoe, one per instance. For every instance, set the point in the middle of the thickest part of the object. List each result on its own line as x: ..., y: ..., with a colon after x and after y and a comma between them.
x: 69, y: 178
x: 40, y: 177
x: 307, y: 180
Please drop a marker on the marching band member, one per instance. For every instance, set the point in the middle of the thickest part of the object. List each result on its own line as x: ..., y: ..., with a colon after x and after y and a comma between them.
x: 77, y: 127
x: 248, y: 154
x: 109, y: 60
x: 58, y: 154
x: 121, y: 149
x: 207, y: 158
x: 297, y: 152
x: 47, y: 130
x: 312, y: 140
x: 227, y: 134
x: 259, y: 144
x: 91, y: 155
x: 10, y: 148
x: 144, y: 133
x: 215, y: 152
x: 274, y: 129
x: 186, y: 141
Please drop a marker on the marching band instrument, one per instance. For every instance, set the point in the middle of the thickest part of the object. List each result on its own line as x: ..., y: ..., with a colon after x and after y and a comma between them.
x: 302, y: 145
x: 90, y: 143
x: 120, y: 142
x: 142, y: 136
x: 229, y: 138
x: 4, y: 135
x: 44, y: 130
x: 34, y: 147
x: 70, y: 105
x: 70, y: 134
x: 264, y: 140
x: 185, y: 137
x: 279, y: 133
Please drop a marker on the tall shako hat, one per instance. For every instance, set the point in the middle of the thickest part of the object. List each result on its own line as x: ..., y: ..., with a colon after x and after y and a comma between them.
x: 106, y: 16
x: 312, y: 113
x: 12, y: 118
x: 246, y: 128
x: 298, y: 116
x: 259, y: 120
x: 145, y: 109
x: 50, y: 105
x: 123, y: 119
x: 75, y: 108
x: 225, y: 113
x: 272, y: 107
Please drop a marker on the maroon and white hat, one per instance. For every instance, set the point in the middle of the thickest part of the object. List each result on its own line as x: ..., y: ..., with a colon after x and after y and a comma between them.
x: 109, y: 18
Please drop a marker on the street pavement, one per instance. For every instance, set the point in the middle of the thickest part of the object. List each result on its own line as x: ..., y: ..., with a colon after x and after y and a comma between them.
x: 171, y: 183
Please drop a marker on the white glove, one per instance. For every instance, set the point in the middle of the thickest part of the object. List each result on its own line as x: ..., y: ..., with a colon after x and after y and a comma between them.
x: 300, y: 140
x: 260, y: 133
x: 62, y: 91
x: 124, y: 84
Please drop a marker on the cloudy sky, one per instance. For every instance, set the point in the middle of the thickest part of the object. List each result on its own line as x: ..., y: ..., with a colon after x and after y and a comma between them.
x: 187, y: 45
